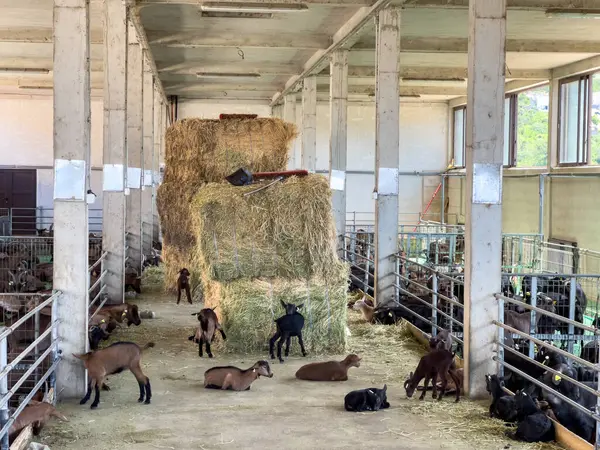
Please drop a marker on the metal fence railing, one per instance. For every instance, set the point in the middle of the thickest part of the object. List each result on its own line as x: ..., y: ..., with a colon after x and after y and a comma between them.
x: 431, y: 298
x: 531, y: 358
x: 28, y: 353
x: 97, y: 290
x: 32, y: 221
x: 25, y: 264
x: 365, y: 220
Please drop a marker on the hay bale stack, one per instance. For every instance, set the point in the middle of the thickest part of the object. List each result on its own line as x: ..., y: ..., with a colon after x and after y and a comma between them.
x: 285, y: 231
x: 200, y: 150
x: 247, y: 309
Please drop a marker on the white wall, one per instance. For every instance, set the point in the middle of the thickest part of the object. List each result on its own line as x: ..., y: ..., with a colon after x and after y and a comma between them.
x: 26, y: 127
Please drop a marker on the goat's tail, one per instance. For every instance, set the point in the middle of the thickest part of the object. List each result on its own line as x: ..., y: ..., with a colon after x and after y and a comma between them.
x: 220, y: 328
x: 148, y: 345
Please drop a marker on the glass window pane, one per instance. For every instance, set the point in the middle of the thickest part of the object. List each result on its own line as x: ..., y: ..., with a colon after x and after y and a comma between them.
x: 532, y: 127
x: 569, y: 103
x: 595, y: 125
x: 459, y: 137
x: 507, y: 114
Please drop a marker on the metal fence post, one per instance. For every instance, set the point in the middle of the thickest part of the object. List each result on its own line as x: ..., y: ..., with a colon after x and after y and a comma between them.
x: 572, y: 293
x: 397, y: 277
x: 532, y: 330
x: 434, y: 304
x: 500, y: 337
x: 367, y: 273
x: 4, y: 412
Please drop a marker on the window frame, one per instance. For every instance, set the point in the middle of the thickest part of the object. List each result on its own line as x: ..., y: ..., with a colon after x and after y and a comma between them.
x: 587, y: 117
x: 513, y: 104
x: 464, y: 149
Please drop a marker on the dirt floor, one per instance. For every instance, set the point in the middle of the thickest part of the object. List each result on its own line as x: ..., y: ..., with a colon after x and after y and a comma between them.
x: 280, y: 412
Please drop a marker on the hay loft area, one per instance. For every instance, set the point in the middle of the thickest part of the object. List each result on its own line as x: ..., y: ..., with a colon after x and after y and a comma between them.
x: 446, y: 164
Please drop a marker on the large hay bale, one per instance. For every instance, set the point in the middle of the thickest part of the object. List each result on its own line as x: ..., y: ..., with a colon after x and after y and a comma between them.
x: 247, y: 309
x: 201, y: 150
x: 286, y: 230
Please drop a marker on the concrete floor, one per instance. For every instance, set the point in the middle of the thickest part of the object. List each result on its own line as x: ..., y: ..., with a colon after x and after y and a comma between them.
x: 280, y: 412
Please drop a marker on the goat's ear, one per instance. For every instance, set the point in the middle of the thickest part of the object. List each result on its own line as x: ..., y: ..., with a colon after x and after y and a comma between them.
x: 410, y: 375
x: 283, y: 304
x: 384, y: 388
x: 300, y: 305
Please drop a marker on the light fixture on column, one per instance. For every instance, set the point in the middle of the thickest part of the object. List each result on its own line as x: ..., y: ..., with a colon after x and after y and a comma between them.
x: 90, y: 197
x: 227, y: 75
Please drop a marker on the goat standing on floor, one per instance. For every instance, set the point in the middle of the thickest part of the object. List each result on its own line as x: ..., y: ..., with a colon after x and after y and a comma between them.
x: 437, y: 363
x: 205, y: 333
x: 183, y: 283
x: 328, y: 371
x: 114, y: 359
x: 235, y: 379
x: 288, y: 326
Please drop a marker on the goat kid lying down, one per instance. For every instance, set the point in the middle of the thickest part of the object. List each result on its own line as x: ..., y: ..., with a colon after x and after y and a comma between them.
x: 371, y: 399
x: 328, y: 371
x: 234, y: 378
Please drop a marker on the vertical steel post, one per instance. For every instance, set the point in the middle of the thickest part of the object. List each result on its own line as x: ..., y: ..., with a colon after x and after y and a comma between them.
x: 367, y: 265
x: 4, y: 412
x: 397, y: 290
x: 541, y: 207
x: 532, y: 329
x: 434, y: 304
x: 500, y: 337
x: 572, y: 312
x: 443, y: 221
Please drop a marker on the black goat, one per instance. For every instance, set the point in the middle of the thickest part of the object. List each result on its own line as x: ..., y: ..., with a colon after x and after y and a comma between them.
x: 503, y: 405
x: 371, y: 399
x: 534, y: 425
x: 288, y: 326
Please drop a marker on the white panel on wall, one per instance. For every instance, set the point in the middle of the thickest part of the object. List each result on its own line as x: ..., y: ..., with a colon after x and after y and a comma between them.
x: 26, y: 127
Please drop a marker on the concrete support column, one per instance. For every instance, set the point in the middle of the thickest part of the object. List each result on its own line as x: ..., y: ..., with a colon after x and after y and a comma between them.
x: 338, y: 101
x: 147, y: 158
x: 289, y: 115
x: 387, y: 143
x: 485, y: 143
x: 72, y: 146
x: 135, y: 114
x: 115, y: 146
x: 158, y: 135
x: 309, y: 124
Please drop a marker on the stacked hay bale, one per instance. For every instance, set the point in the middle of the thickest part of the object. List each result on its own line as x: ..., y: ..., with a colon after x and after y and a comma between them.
x: 251, y: 251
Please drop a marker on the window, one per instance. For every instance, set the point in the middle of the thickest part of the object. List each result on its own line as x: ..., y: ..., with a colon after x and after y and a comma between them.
x: 459, y: 148
x: 574, y: 123
x: 510, y: 119
x: 531, y: 127
x: 525, y: 129
x: 595, y: 121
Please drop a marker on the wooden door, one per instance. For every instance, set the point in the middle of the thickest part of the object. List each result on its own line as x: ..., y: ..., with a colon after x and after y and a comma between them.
x: 18, y: 193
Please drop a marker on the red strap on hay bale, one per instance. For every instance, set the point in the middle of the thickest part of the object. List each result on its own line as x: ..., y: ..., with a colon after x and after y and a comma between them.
x: 237, y: 116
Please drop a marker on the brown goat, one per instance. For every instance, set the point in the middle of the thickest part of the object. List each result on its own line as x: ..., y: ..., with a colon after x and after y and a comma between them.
x: 235, y: 379
x: 183, y: 283
x: 36, y: 414
x: 451, y: 388
x: 367, y: 310
x: 443, y: 340
x: 328, y: 371
x: 114, y: 359
x: 127, y: 311
x: 205, y: 333
x: 437, y: 363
